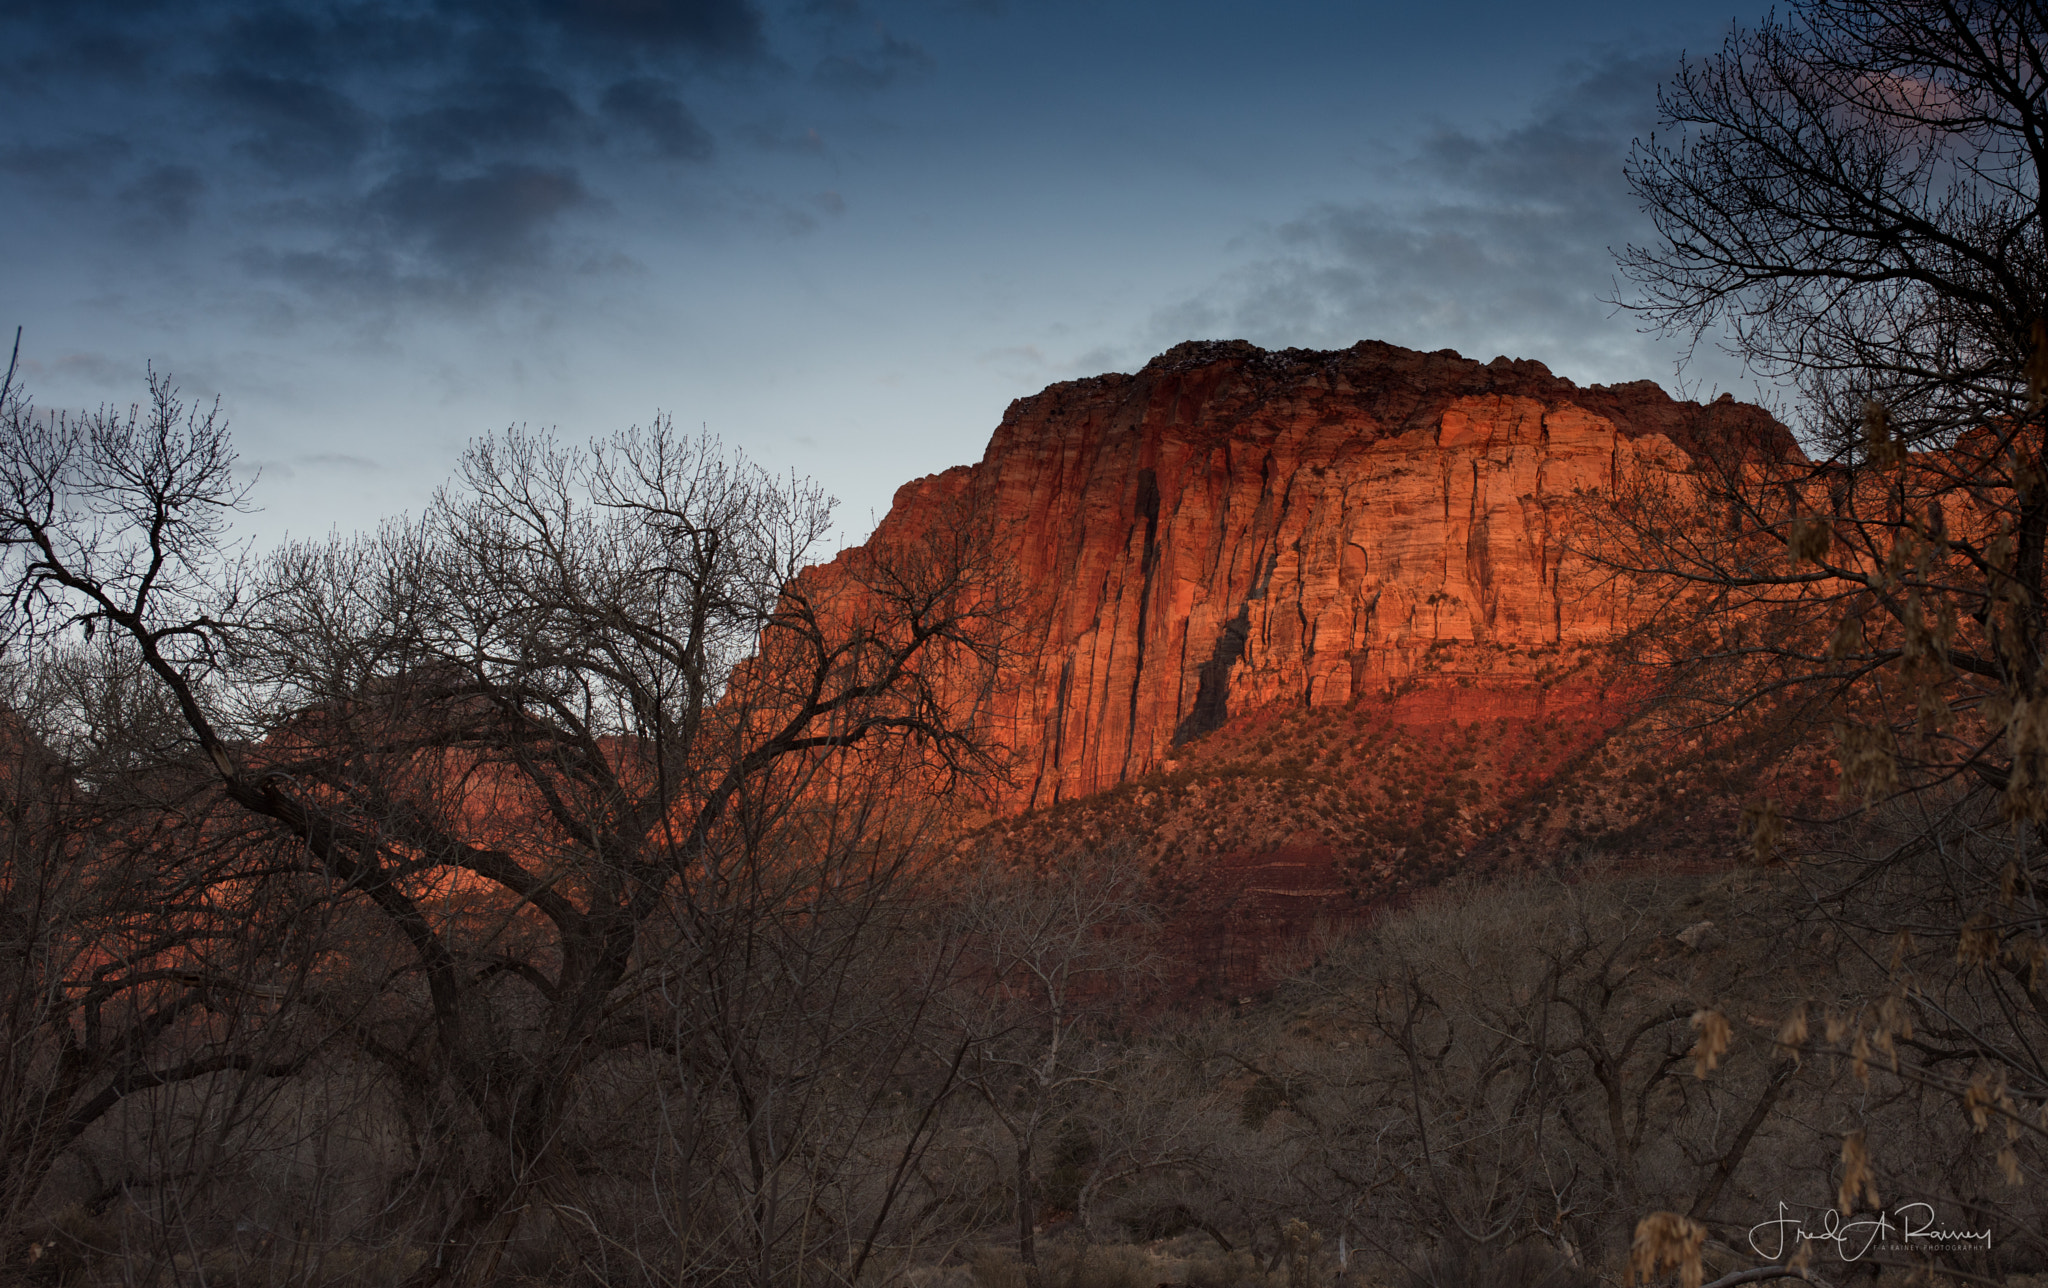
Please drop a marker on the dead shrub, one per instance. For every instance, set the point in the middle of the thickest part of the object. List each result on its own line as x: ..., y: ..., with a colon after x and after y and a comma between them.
x: 995, y: 1268
x: 65, y: 1247
x: 1118, y: 1265
x: 1526, y: 1265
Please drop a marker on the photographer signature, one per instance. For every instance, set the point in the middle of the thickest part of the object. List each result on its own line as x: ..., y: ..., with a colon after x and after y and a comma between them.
x: 1853, y: 1238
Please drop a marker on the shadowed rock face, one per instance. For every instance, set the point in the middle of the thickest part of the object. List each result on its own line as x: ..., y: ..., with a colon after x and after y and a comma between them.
x: 1231, y: 530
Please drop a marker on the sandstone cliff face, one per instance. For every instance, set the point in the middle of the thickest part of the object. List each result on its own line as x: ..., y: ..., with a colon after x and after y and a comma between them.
x: 1232, y: 530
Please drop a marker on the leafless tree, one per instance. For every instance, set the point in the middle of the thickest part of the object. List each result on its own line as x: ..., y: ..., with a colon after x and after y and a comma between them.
x: 142, y: 947
x: 1850, y: 196
x: 585, y: 722
x: 1851, y: 193
x: 1053, y: 955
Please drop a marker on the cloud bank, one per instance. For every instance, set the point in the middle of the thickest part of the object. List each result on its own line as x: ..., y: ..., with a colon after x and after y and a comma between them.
x: 392, y: 150
x: 1495, y: 242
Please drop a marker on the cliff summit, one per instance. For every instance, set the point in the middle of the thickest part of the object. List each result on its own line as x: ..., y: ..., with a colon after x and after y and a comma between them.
x: 1234, y: 529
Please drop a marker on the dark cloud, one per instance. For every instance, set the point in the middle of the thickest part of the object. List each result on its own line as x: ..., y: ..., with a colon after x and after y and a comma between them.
x: 319, y: 467
x: 649, y: 108
x: 71, y: 165
x: 877, y: 69
x: 91, y: 368
x: 290, y: 126
x: 781, y: 136
x: 518, y: 114
x: 1567, y: 159
x: 340, y: 460
x: 725, y: 27
x: 423, y: 238
x: 480, y: 222
x: 1501, y: 244
x: 66, y: 52
x: 369, y: 141
x: 281, y: 40
x: 298, y: 36
x: 163, y: 199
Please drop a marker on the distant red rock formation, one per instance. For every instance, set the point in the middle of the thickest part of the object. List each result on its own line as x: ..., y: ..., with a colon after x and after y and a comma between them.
x: 1233, y: 529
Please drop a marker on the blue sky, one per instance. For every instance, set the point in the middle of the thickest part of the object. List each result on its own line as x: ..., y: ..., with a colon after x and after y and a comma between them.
x: 839, y: 234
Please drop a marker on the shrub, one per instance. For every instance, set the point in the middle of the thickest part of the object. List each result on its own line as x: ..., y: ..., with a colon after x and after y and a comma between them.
x: 1526, y: 1265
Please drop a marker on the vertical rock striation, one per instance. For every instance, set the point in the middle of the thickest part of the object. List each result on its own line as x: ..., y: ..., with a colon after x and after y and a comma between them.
x: 1232, y: 529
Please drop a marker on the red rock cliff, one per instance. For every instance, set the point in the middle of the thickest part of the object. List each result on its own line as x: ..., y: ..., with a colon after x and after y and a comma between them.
x: 1231, y: 529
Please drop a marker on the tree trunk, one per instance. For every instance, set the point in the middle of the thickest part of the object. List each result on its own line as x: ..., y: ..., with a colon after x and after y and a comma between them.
x: 1027, y: 1206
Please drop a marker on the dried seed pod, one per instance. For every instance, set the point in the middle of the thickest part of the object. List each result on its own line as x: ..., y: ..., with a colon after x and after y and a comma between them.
x: 1848, y: 639
x: 1869, y: 767
x: 1858, y: 1178
x: 1902, y: 944
x: 1980, y: 1097
x: 1999, y: 553
x: 1892, y: 1016
x: 2037, y: 365
x: 2034, y: 954
x: 1666, y: 1240
x: 1792, y: 1034
x: 1881, y: 447
x: 1712, y: 1043
x: 1977, y: 942
x: 1808, y: 540
x: 1760, y: 820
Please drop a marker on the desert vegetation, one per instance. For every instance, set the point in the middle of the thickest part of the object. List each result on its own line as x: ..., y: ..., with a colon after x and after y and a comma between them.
x: 572, y: 885
x: 557, y: 889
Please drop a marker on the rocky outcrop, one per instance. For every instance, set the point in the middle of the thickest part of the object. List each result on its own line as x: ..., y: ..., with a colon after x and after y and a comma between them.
x: 1231, y: 530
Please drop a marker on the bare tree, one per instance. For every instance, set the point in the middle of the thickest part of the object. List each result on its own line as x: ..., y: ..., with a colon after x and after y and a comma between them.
x: 142, y: 948
x: 1053, y: 956
x: 1853, y: 192
x: 586, y: 712
x: 772, y: 1105
x: 1851, y: 197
